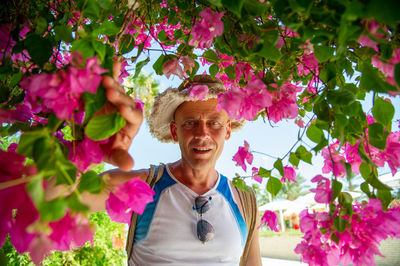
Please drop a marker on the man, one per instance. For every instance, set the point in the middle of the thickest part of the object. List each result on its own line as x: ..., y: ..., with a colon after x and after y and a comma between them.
x: 195, y: 218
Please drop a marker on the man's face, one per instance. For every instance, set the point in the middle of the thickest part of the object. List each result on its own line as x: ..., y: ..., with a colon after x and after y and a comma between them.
x: 201, y: 132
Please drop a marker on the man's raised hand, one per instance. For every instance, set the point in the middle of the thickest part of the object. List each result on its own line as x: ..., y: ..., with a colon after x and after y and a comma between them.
x: 116, y: 150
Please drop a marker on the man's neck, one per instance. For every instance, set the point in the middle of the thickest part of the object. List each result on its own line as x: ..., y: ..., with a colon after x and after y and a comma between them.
x: 198, y: 180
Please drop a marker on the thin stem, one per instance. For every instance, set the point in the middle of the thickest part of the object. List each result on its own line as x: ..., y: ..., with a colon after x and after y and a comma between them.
x: 15, y: 182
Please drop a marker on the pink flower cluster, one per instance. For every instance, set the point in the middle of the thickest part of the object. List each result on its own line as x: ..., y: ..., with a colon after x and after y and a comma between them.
x: 198, y: 92
x: 20, y: 218
x: 246, y: 102
x: 349, y: 153
x: 60, y: 92
x: 70, y: 232
x: 256, y: 177
x: 357, y: 244
x: 269, y: 218
x: 131, y: 196
x: 243, y: 155
x: 206, y: 29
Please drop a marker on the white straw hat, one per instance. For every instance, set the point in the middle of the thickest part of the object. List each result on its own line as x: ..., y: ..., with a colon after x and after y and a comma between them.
x: 165, y: 104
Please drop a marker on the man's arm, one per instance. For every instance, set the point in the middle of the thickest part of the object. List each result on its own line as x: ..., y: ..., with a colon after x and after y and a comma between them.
x: 115, y: 177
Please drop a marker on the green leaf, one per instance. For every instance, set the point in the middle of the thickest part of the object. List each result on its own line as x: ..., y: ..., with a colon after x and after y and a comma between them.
x: 84, y: 47
x: 39, y: 49
x: 293, y: 159
x: 270, y: 51
x: 254, y: 8
x: 90, y: 182
x: 383, y: 112
x: 314, y: 133
x: 385, y: 196
x: 339, y: 223
x: 211, y: 56
x: 386, y: 12
x: 107, y: 28
x: 230, y: 72
x: 340, y: 97
x: 100, y: 49
x: 41, y: 25
x: 372, y: 81
x: 43, y: 154
x: 162, y: 36
x: 262, y: 172
x: 139, y: 66
x: 104, y: 126
x: 274, y: 185
x: 279, y: 166
x: 323, y: 53
x: 365, y: 188
x: 15, y: 79
x: 92, y: 9
x: 94, y: 102
x: 52, y: 210
x: 397, y: 74
x: 35, y: 189
x: 27, y: 141
x: 75, y: 204
x: 158, y: 65
x: 214, y: 69
x: 304, y: 154
x: 240, y: 184
x: 369, y: 175
x: 235, y: 6
x: 126, y: 44
x: 377, y: 135
x: 336, y: 188
x: 63, y: 33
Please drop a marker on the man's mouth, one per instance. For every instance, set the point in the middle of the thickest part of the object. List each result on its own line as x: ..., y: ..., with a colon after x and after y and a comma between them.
x: 201, y: 150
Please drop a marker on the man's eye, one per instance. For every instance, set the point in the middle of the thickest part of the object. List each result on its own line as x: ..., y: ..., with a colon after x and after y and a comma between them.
x: 215, y: 124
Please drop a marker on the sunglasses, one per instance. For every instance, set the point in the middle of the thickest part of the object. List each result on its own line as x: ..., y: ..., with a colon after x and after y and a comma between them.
x: 205, y: 231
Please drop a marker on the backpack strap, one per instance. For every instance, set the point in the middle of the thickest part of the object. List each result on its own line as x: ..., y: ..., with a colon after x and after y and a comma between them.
x: 249, y: 206
x: 155, y: 173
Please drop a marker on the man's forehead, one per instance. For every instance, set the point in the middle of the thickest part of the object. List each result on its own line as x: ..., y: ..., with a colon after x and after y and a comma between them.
x: 199, y: 108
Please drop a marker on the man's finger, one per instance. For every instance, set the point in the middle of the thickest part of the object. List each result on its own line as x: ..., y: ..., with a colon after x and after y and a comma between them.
x: 132, y: 115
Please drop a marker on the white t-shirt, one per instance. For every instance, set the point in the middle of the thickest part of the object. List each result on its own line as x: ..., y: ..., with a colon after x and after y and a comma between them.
x: 166, y: 231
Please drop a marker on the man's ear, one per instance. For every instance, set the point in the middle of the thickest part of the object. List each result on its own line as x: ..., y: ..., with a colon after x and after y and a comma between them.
x: 228, y: 130
x: 172, y: 127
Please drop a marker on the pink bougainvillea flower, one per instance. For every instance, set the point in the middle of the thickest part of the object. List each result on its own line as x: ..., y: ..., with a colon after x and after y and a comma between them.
x: 245, y: 102
x: 61, y: 91
x: 333, y: 160
x: 289, y: 174
x: 243, y: 155
x: 284, y: 103
x: 198, y: 92
x: 323, y: 192
x: 85, y: 153
x: 256, y: 177
x: 70, y: 232
x: 172, y: 67
x: 308, y: 64
x: 139, y: 104
x: 19, y: 213
x: 206, y: 29
x: 269, y: 218
x: 131, y: 196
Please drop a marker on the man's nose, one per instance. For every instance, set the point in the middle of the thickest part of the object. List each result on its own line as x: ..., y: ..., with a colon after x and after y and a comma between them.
x: 201, y: 129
